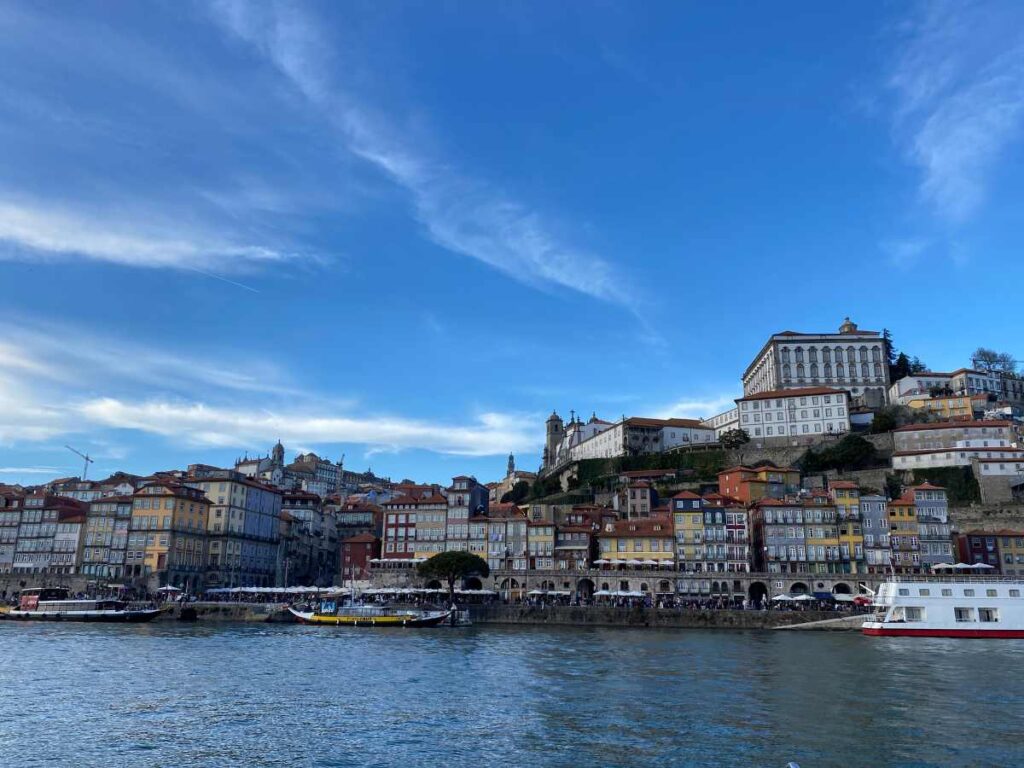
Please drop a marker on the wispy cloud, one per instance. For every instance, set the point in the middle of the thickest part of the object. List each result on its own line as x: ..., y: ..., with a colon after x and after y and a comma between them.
x: 32, y: 231
x: 904, y: 254
x: 32, y: 470
x: 697, y: 408
x: 58, y: 382
x: 959, y: 84
x: 199, y: 424
x: 458, y: 212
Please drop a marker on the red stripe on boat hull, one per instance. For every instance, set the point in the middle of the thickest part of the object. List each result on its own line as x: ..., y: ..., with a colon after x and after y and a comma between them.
x: 993, y: 633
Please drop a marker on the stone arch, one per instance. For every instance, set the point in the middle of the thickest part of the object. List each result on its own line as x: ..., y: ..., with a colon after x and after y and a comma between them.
x: 758, y: 592
x: 584, y: 589
x: 714, y: 587
x: 842, y: 588
x: 664, y: 586
x: 433, y: 584
x: 509, y: 583
x: 799, y: 588
x: 472, y: 583
x: 644, y: 587
x: 605, y: 587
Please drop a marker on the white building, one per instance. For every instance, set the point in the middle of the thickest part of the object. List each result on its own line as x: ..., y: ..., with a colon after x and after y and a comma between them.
x: 851, y: 359
x: 724, y: 421
x: 598, y: 439
x: 790, y: 413
x: 962, y: 454
x: 917, y: 386
x: 641, y: 436
x: 946, y: 435
x: 964, y: 381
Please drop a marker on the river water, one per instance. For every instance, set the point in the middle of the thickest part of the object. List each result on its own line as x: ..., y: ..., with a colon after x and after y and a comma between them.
x: 268, y: 695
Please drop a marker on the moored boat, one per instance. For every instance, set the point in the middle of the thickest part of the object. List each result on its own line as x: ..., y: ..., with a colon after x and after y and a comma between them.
x: 954, y: 606
x: 330, y: 613
x: 56, y: 604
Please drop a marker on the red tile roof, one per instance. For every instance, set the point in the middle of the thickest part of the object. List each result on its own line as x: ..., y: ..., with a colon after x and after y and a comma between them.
x: 803, y: 392
x: 639, y: 526
x: 954, y: 425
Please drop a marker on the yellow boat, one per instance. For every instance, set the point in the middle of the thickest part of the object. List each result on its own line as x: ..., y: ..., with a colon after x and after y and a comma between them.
x: 369, y: 616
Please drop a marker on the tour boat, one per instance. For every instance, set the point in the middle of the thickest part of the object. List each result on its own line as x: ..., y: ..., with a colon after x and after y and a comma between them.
x: 956, y: 606
x: 329, y: 612
x: 55, y: 604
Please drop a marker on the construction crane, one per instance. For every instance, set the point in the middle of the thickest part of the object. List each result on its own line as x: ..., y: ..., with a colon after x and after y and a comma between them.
x: 88, y: 461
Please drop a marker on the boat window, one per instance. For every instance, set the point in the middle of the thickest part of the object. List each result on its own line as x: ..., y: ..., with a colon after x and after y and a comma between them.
x: 1014, y: 593
x: 988, y: 614
x: 947, y: 593
x: 914, y: 614
x: 968, y: 593
x: 964, y: 614
x: 924, y: 592
x: 904, y: 591
x: 990, y: 593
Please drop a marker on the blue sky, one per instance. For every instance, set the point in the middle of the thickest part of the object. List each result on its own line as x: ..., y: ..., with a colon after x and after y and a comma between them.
x: 406, y: 232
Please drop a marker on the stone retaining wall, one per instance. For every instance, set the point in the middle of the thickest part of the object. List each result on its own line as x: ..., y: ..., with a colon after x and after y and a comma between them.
x: 987, y: 517
x: 597, y: 616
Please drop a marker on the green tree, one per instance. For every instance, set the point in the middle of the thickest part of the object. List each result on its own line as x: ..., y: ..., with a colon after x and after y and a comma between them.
x: 890, y: 348
x: 989, y: 360
x: 885, y: 421
x: 453, y: 566
x: 852, y: 452
x: 518, y: 493
x: 917, y: 365
x: 734, y: 438
x: 901, y: 368
x: 893, y: 486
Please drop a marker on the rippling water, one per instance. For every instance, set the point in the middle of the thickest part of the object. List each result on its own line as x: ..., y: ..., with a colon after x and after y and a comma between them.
x: 263, y: 695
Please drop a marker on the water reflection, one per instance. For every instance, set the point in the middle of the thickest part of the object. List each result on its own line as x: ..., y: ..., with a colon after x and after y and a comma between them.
x: 169, y: 694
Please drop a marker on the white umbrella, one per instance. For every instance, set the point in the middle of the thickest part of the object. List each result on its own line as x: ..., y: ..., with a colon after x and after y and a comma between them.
x: 667, y: 564
x: 650, y: 562
x: 802, y: 598
x: 781, y: 598
x: 168, y: 588
x: 602, y: 593
x: 602, y: 561
x: 982, y: 566
x: 942, y: 566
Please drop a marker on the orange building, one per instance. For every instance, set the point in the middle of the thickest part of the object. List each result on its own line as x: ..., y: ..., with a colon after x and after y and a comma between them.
x: 748, y: 484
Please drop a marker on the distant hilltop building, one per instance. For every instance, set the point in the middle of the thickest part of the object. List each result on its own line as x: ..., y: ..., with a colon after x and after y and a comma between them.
x: 600, y: 439
x: 852, y: 359
x: 308, y: 472
x: 512, y: 476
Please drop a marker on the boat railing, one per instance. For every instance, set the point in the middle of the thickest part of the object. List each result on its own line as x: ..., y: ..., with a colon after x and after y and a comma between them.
x: 950, y: 579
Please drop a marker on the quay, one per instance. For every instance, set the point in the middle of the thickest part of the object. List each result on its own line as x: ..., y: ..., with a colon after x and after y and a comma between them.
x: 655, y: 618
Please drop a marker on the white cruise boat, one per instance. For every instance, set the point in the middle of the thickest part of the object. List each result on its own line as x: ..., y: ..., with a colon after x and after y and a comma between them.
x: 948, y: 606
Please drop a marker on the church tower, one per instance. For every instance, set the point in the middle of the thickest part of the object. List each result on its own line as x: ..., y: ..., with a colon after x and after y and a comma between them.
x: 277, y: 455
x: 555, y: 433
x: 511, y: 465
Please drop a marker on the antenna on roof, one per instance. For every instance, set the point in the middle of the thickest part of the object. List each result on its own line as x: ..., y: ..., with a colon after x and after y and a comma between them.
x: 85, y: 456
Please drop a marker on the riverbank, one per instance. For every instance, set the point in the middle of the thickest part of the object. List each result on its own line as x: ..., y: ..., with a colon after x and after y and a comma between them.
x: 245, y: 612
x: 665, y: 618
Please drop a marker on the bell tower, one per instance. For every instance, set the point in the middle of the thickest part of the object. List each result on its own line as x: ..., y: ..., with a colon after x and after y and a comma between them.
x: 555, y: 432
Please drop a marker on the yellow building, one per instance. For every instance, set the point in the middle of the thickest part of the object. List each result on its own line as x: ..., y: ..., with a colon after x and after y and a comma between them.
x: 688, y: 524
x: 952, y: 408
x: 641, y: 541
x: 846, y: 498
x: 903, y: 535
x: 821, y: 535
x: 540, y: 543
x: 167, y: 540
